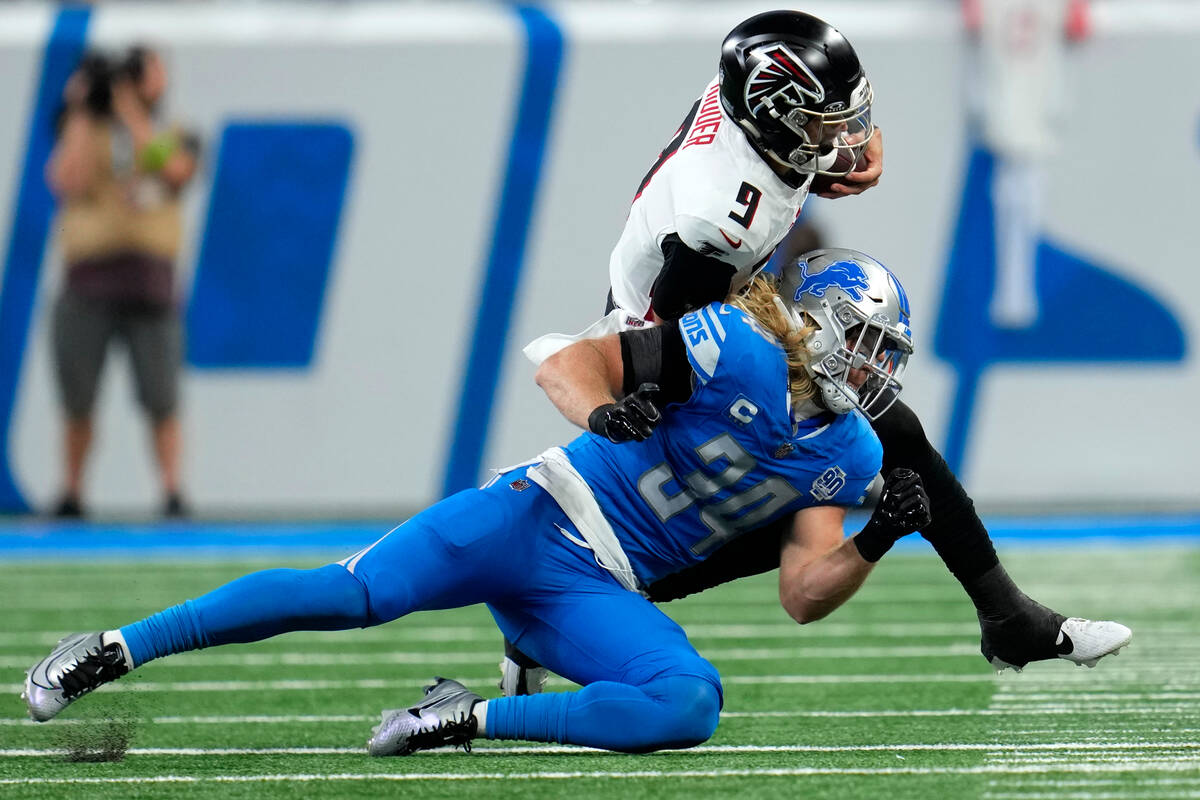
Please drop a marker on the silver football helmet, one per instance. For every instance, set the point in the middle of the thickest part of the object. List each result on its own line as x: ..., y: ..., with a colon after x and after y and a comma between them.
x: 861, y: 339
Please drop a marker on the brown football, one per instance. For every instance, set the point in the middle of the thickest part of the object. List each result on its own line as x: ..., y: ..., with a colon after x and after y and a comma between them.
x: 842, y: 163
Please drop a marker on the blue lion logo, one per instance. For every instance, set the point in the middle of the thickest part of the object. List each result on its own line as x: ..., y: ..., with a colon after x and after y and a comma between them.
x: 846, y: 275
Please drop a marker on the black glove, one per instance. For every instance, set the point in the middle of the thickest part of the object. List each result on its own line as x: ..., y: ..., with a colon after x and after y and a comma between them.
x: 633, y: 418
x: 903, y: 508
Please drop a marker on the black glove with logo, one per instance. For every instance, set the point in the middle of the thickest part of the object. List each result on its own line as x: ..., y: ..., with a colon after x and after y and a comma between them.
x: 903, y: 508
x: 633, y: 418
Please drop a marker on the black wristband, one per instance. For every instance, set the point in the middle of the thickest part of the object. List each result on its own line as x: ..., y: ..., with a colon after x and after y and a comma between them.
x: 872, y: 542
x: 598, y: 419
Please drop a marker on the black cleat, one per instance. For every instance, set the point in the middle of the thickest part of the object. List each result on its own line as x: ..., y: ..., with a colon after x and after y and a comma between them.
x: 174, y: 507
x: 69, y: 507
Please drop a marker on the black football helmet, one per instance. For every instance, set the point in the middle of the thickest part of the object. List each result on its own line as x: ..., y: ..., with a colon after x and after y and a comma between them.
x: 795, y: 85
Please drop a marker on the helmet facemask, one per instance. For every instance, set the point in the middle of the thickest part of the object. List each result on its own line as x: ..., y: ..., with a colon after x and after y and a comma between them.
x: 858, y: 360
x: 831, y: 143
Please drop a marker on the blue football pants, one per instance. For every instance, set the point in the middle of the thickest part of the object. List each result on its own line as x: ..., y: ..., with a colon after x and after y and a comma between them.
x: 644, y: 686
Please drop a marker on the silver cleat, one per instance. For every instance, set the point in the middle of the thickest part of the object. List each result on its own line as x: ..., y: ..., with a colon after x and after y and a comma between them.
x: 78, y: 664
x: 516, y: 680
x: 443, y: 718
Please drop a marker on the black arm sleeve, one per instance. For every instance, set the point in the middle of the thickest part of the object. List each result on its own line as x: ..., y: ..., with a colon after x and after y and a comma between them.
x: 956, y: 531
x: 688, y: 280
x: 657, y: 355
x: 750, y: 554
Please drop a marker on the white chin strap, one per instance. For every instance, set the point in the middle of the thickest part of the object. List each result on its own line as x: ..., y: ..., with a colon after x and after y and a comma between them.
x: 833, y: 397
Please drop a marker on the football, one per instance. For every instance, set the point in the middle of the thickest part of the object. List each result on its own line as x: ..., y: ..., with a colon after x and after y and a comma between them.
x: 842, y: 162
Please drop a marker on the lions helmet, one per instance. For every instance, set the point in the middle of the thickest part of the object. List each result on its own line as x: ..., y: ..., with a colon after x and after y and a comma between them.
x: 861, y: 340
x: 794, y: 84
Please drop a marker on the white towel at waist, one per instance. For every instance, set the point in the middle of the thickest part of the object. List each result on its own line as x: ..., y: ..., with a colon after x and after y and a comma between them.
x: 555, y: 473
x: 614, y: 321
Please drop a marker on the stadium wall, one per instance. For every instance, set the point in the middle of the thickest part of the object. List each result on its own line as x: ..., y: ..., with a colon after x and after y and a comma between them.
x: 397, y: 197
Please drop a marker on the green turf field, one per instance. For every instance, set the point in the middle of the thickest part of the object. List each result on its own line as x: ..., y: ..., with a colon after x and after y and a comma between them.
x: 886, y: 698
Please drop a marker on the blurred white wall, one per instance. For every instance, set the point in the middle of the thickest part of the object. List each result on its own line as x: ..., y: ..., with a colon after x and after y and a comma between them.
x: 430, y: 94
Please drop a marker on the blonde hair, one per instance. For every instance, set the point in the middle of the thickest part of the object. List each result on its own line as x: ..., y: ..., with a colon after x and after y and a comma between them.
x: 758, y: 300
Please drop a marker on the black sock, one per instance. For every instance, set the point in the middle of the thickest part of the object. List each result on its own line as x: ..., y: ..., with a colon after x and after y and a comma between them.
x: 1015, y: 628
x: 955, y: 531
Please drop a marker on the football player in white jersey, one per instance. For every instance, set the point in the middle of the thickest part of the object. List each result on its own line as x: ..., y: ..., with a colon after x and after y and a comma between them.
x: 789, y: 113
x: 729, y: 185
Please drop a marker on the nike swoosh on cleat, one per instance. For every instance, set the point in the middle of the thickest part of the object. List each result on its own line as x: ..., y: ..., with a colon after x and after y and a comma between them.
x: 1064, y: 644
x: 40, y: 677
x: 40, y: 674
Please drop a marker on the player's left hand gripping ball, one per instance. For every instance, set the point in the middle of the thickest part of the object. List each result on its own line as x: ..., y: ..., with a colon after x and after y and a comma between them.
x: 632, y: 419
x: 866, y: 172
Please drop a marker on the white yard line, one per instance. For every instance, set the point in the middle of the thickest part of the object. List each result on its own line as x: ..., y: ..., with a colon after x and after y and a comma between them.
x: 410, y: 631
x: 318, y: 719
x: 405, y: 631
x: 1129, y: 794
x: 308, y: 659
x: 1078, y: 783
x: 406, y: 683
x: 1074, y: 748
x: 1099, y: 695
x: 1154, y: 767
x: 411, y: 683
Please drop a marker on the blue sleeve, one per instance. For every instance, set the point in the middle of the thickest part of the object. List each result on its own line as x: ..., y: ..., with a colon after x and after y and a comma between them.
x: 858, y: 465
x: 725, y: 345
x: 703, y: 336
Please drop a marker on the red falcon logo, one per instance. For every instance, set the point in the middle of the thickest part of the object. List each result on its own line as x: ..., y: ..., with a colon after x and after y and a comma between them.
x: 780, y: 75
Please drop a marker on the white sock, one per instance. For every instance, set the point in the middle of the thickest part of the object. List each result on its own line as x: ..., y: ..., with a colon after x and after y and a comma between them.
x: 479, y: 712
x: 108, y: 637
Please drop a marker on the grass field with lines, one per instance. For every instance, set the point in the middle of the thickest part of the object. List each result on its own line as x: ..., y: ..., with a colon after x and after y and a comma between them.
x: 886, y: 698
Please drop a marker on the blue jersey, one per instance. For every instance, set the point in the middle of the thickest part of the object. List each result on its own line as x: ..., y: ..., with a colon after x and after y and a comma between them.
x: 727, y: 461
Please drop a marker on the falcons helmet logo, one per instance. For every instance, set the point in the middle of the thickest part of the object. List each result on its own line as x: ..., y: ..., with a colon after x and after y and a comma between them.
x: 780, y: 76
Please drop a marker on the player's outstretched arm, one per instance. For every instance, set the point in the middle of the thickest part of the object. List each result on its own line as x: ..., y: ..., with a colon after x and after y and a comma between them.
x: 582, y: 377
x: 818, y: 570
x: 646, y: 368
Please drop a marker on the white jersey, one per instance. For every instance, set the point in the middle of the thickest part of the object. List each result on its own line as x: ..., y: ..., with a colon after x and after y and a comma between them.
x: 711, y: 189
x: 1022, y: 43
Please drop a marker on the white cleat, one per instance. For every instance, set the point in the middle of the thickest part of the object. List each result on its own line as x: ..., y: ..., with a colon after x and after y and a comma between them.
x: 1084, y: 642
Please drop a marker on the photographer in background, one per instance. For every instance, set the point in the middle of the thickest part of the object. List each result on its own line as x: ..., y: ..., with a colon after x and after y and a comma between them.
x: 118, y: 173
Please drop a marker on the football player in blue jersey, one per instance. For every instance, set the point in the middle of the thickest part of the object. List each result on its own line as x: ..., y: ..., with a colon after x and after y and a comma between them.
x: 700, y: 433
x: 788, y: 114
